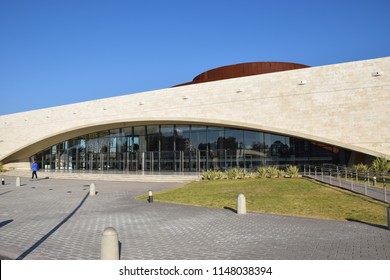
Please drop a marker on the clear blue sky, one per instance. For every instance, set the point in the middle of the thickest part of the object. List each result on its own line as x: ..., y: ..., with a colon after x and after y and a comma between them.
x: 57, y: 52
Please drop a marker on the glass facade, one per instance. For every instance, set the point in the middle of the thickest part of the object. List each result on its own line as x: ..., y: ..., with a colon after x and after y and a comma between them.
x: 185, y: 148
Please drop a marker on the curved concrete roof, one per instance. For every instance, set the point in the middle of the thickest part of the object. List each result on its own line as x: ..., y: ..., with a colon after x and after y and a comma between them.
x: 347, y: 105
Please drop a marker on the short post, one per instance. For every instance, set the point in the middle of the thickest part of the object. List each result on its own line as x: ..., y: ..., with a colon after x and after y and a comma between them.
x: 388, y: 218
x: 3, y: 181
x: 365, y: 185
x: 241, y: 204
x: 374, y: 179
x: 110, y: 245
x: 339, y: 176
x: 351, y: 181
x: 92, y: 189
x: 18, y: 181
x: 384, y: 189
x: 150, y: 198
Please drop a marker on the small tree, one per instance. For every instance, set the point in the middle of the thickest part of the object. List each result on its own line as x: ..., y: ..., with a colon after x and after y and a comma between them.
x: 380, y: 165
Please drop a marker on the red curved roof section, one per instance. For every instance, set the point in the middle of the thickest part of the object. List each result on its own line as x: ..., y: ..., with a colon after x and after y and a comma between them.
x: 242, y: 70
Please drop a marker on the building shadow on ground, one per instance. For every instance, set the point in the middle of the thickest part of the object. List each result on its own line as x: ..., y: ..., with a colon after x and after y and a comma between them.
x: 369, y: 224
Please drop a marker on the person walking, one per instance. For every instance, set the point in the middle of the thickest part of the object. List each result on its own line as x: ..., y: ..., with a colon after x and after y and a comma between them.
x: 34, y: 170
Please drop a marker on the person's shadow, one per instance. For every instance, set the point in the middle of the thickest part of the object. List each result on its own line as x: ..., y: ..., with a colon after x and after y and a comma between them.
x: 4, y: 223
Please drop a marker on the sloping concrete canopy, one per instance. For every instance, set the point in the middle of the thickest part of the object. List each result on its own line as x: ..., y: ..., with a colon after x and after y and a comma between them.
x: 346, y: 104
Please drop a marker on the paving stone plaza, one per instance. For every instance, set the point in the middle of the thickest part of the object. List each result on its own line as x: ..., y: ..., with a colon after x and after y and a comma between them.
x: 57, y: 219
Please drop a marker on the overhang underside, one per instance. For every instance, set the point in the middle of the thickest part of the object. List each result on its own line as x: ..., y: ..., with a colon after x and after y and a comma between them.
x: 22, y: 154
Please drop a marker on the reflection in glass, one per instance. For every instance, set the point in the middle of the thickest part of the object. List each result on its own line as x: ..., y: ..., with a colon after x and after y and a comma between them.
x: 186, y: 148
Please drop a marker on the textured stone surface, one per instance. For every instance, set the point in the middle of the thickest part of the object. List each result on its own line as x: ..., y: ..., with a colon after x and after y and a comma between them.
x: 341, y: 104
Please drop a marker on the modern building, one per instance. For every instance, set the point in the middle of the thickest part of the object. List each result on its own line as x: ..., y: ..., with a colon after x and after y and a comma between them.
x: 244, y: 115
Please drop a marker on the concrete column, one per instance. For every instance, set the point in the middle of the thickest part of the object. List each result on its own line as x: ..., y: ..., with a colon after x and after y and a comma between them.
x: 92, y: 189
x: 241, y: 204
x: 110, y: 245
x: 18, y: 181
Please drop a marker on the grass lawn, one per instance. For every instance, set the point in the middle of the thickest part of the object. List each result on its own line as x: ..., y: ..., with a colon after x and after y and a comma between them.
x: 294, y: 197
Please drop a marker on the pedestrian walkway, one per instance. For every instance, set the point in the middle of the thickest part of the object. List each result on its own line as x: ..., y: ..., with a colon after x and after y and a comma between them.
x: 138, y: 176
x: 57, y: 219
x: 374, y: 192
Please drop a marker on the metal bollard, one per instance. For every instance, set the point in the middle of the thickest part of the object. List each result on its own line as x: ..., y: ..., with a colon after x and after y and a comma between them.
x: 241, y: 204
x: 18, y: 181
x: 150, y: 198
x: 92, y: 189
x: 110, y: 245
x: 2, y: 181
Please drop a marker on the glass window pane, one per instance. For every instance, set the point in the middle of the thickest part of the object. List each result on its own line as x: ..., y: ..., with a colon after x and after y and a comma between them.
x: 215, y: 138
x: 115, y: 132
x: 127, y: 131
x: 198, y: 138
x: 234, y: 139
x: 278, y: 147
x: 254, y: 149
x: 167, y: 138
x: 139, y: 141
x: 153, y: 138
x: 182, y: 138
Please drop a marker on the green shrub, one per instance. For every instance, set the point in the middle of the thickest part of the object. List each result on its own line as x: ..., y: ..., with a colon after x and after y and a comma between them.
x: 219, y: 175
x: 262, y: 172
x: 280, y: 173
x: 236, y: 173
x: 252, y: 175
x: 213, y: 175
x: 240, y: 173
x: 206, y: 175
x: 272, y: 172
x: 293, y: 171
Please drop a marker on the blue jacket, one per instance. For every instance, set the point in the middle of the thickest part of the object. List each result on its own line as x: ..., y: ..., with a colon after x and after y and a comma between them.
x: 35, y: 166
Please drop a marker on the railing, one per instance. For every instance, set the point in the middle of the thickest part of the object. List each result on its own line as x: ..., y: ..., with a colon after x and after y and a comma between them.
x: 367, y: 183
